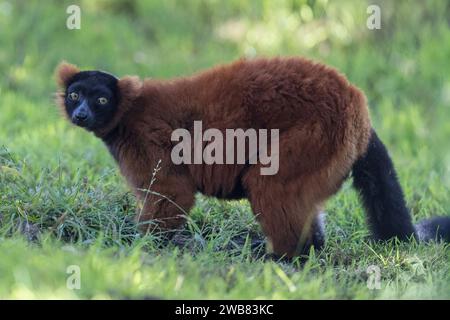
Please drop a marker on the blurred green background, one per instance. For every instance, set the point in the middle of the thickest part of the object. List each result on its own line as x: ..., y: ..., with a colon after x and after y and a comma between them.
x: 59, y: 186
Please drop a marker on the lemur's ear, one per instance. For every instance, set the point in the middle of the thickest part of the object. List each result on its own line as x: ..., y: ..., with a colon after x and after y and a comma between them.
x: 130, y: 87
x: 64, y: 72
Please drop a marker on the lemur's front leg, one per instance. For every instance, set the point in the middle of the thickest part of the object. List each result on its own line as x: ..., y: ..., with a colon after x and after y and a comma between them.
x: 165, y: 203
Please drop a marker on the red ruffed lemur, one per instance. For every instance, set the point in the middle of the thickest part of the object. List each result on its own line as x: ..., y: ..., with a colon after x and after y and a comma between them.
x: 324, y: 133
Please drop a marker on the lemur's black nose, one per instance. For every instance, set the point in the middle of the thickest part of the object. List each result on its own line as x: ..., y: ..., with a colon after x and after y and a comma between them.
x: 81, y: 116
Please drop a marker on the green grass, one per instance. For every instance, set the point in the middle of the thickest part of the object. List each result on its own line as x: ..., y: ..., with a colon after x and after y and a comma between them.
x: 63, y: 202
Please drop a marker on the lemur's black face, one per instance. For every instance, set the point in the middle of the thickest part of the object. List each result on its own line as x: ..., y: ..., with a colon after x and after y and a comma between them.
x: 91, y: 99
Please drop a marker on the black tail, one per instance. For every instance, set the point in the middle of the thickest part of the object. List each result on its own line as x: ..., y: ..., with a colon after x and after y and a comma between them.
x: 375, y: 178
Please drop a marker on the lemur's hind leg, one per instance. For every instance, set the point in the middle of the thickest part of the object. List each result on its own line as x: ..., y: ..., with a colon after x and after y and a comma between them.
x: 288, y: 219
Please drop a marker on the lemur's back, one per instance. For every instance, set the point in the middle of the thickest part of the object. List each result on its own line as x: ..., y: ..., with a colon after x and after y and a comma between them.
x: 322, y: 119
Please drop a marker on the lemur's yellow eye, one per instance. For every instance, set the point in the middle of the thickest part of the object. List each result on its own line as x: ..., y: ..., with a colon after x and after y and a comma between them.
x: 102, y: 100
x: 74, y: 96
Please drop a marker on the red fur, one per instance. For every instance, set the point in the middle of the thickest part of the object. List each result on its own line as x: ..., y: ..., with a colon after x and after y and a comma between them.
x: 324, y: 127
